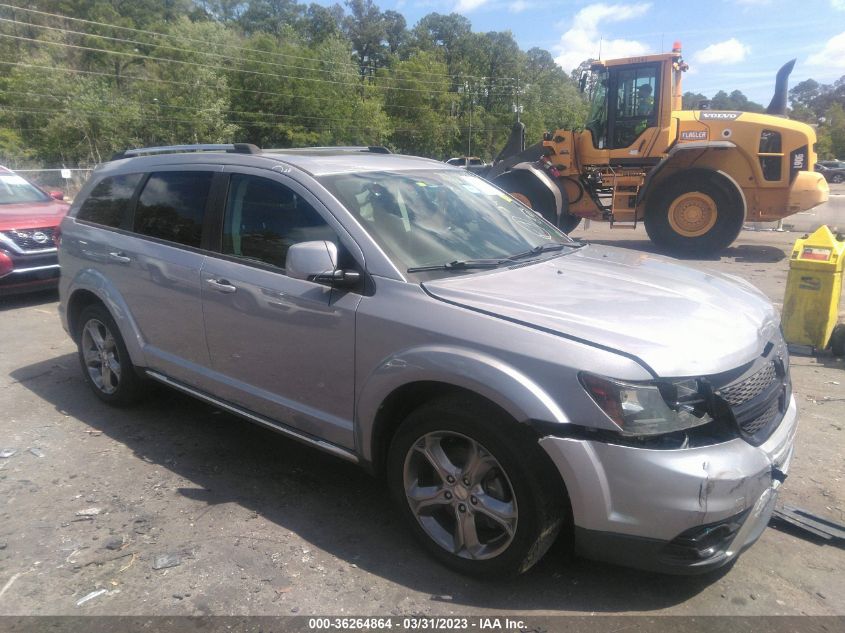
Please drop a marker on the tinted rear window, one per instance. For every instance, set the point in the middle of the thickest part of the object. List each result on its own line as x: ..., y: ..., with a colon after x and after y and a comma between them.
x: 172, y: 206
x: 109, y: 200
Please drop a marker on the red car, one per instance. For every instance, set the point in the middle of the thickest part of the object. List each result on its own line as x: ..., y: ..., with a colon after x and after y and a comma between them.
x: 29, y: 220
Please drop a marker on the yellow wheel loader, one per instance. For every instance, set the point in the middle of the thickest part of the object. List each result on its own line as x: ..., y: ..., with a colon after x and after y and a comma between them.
x: 694, y: 177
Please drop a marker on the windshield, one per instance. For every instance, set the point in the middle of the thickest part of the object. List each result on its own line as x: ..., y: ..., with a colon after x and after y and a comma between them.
x: 431, y: 218
x: 14, y: 189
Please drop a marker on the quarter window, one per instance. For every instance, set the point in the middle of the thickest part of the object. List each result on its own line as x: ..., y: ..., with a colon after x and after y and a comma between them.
x: 109, y: 200
x: 263, y: 219
x: 172, y: 206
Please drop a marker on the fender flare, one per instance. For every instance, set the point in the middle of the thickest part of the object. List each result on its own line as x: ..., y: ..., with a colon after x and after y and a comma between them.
x: 452, y: 366
x: 97, y: 284
x: 701, y: 146
x: 561, y: 202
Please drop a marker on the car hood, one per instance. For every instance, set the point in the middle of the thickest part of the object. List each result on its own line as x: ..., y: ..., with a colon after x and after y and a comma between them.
x: 32, y: 215
x: 677, y: 320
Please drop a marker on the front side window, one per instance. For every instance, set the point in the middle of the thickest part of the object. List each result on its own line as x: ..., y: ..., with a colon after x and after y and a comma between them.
x: 263, y: 219
x: 597, y: 121
x: 428, y: 218
x: 15, y: 190
x: 108, y: 202
x: 172, y: 206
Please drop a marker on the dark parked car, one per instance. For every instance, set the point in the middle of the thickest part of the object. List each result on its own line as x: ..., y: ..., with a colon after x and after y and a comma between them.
x: 29, y: 219
x: 831, y: 172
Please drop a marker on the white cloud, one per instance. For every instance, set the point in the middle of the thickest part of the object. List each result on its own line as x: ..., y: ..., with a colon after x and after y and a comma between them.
x: 465, y: 6
x: 832, y: 56
x: 583, y: 39
x: 730, y: 51
x: 518, y: 6
x: 839, y: 5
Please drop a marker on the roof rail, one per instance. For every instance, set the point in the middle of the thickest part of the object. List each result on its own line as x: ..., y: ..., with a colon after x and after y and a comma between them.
x: 233, y: 148
x: 373, y: 149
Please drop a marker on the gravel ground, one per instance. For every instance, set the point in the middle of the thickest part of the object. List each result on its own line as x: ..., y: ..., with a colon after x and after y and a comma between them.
x: 175, y: 508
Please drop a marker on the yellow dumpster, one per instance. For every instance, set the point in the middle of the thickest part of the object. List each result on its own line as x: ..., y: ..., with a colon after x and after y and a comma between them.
x: 811, y: 304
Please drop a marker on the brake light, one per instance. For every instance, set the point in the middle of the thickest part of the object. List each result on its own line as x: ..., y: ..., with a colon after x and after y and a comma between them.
x: 6, y: 264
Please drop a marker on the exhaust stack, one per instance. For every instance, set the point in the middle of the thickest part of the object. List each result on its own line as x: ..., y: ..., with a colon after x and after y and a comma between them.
x: 778, y: 102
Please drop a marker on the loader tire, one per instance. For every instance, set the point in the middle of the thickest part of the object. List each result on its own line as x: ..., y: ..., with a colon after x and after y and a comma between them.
x: 525, y: 188
x: 698, y: 213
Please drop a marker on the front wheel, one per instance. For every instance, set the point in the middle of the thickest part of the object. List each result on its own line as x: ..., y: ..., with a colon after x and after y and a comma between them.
x: 533, y: 194
x: 837, y: 178
x: 695, y: 214
x: 473, y: 488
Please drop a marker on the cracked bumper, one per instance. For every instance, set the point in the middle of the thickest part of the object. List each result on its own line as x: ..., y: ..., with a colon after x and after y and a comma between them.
x: 629, y: 504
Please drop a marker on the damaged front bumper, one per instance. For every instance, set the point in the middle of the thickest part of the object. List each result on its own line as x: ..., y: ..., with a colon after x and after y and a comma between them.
x: 675, y: 511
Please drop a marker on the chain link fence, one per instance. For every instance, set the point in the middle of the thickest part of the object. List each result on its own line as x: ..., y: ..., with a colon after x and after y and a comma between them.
x: 68, y: 181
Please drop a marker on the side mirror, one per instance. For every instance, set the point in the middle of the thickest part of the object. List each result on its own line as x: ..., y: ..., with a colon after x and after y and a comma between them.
x: 57, y: 195
x: 317, y: 262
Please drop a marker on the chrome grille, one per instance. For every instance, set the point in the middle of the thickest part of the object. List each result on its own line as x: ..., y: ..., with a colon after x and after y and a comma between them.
x: 31, y: 239
x: 740, y: 392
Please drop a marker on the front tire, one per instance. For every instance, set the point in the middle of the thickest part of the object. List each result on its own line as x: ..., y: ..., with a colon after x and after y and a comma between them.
x: 475, y: 488
x: 695, y: 214
x: 837, y: 178
x: 525, y: 188
x: 105, y: 361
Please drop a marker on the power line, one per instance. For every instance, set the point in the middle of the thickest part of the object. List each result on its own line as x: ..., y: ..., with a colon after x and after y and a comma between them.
x: 232, y: 46
x: 191, y: 85
x: 211, y: 66
x: 107, y: 115
x: 207, y: 53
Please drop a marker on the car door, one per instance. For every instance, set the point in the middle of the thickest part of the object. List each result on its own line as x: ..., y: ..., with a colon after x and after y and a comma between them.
x: 152, y: 257
x: 279, y: 346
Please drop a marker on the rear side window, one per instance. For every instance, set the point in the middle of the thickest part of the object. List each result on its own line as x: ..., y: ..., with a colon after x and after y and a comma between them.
x: 172, y: 206
x: 108, y: 202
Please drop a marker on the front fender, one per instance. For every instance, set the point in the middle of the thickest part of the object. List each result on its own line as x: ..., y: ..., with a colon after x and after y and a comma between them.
x: 96, y: 283
x: 474, y: 371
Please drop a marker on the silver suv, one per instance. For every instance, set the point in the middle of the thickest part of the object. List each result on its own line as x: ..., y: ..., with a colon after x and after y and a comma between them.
x: 509, y: 382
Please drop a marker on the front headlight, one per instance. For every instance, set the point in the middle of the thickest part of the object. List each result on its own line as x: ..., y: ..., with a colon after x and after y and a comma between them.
x: 651, y: 408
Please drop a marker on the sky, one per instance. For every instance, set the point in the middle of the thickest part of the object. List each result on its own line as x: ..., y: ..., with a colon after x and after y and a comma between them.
x: 728, y: 44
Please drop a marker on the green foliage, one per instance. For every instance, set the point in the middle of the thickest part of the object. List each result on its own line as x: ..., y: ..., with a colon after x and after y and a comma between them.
x: 822, y: 105
x: 276, y: 73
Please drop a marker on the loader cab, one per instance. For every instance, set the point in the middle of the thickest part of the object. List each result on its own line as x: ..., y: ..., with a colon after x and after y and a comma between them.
x: 625, y: 103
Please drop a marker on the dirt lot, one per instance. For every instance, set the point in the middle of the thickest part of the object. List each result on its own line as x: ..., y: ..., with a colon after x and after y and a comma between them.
x: 173, y: 507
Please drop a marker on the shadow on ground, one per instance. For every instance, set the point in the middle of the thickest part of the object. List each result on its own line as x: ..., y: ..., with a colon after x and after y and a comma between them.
x: 747, y: 253
x: 333, y: 504
x: 27, y: 300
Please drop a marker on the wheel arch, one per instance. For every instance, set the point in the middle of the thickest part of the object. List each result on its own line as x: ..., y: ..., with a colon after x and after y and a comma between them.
x: 91, y: 287
x: 407, y: 380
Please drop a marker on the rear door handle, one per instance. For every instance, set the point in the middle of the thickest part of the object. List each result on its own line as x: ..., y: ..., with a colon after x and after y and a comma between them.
x: 119, y: 256
x: 221, y: 285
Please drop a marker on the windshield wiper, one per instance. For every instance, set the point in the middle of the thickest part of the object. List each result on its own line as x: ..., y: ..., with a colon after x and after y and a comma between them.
x: 465, y: 264
x: 545, y: 248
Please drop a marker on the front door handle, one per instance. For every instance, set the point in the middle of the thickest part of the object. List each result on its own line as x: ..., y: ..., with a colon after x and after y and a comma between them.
x: 119, y: 256
x: 221, y: 285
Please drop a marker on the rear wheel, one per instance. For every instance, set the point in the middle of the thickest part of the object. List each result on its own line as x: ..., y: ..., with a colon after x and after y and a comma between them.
x: 532, y: 193
x: 694, y: 214
x: 105, y: 361
x: 837, y: 340
x: 473, y: 487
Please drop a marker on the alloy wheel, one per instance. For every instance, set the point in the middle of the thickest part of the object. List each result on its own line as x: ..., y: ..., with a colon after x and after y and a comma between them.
x: 100, y: 354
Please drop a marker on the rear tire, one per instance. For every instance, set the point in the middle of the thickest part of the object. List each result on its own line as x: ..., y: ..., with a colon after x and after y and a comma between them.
x: 837, y: 340
x: 105, y: 361
x: 530, y: 192
x: 694, y: 214
x: 475, y: 487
